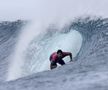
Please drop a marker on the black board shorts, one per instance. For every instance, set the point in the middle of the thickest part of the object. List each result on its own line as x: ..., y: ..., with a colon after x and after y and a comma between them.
x: 54, y: 63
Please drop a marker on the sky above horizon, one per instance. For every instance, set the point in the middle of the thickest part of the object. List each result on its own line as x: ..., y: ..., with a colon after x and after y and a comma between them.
x: 51, y: 9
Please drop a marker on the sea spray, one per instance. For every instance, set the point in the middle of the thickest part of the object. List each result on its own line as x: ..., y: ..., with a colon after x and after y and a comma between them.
x: 17, y: 57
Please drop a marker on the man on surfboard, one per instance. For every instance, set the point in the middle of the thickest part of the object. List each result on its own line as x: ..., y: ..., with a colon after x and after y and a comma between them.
x: 57, y: 57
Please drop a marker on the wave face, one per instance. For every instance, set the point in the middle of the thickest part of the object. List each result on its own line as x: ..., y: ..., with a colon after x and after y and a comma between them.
x: 89, y: 71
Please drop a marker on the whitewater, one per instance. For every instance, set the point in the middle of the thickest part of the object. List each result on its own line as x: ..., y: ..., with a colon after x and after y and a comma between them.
x: 23, y: 50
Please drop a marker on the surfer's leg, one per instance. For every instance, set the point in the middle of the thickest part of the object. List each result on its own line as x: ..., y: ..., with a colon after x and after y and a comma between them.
x: 61, y: 62
x: 53, y: 65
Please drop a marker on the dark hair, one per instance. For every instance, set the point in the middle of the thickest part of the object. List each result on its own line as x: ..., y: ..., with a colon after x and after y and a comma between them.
x: 59, y: 51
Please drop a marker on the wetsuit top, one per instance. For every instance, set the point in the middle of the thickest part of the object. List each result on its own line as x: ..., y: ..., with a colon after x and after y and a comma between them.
x: 54, y: 56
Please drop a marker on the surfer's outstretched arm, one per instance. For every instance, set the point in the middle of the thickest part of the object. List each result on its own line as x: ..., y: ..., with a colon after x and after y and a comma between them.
x: 70, y: 57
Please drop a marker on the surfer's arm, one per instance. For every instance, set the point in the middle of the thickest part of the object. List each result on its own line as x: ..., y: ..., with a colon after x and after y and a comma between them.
x: 68, y: 54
